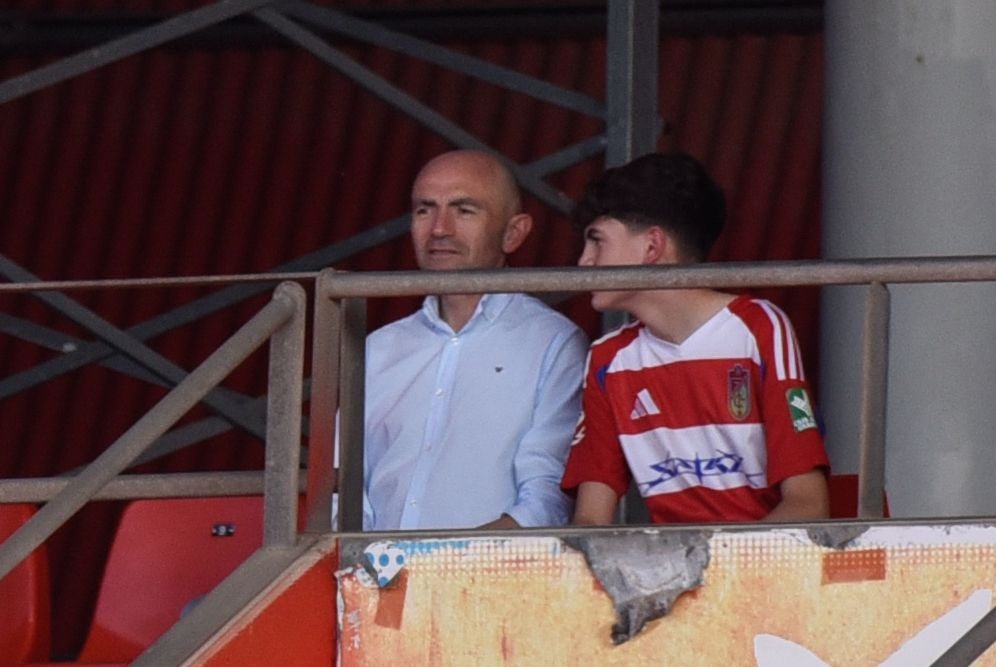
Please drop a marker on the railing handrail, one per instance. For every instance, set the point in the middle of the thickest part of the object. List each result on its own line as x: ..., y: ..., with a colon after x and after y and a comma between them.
x: 149, y: 485
x: 709, y: 274
x: 333, y: 285
x: 768, y: 273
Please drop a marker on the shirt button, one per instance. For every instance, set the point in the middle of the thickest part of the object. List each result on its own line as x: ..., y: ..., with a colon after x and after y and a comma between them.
x: 412, y: 503
x: 439, y: 392
x: 455, y: 340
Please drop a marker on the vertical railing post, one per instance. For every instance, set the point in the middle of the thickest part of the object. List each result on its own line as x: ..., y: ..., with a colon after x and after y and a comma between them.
x: 283, y: 421
x: 874, y: 392
x: 324, y: 404
x: 351, y: 392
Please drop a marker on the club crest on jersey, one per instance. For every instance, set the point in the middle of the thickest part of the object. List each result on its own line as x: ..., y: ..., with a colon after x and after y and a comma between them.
x: 738, y: 392
x: 800, y: 409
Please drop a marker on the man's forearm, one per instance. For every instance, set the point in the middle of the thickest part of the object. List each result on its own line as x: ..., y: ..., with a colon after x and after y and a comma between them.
x: 804, y: 497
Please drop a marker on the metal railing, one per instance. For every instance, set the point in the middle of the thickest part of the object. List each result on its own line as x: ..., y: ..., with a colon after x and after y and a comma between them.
x: 338, y: 377
x: 339, y: 331
x: 337, y: 389
x: 282, y: 322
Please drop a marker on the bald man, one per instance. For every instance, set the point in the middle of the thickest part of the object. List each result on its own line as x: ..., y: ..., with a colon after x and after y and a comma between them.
x: 471, y: 402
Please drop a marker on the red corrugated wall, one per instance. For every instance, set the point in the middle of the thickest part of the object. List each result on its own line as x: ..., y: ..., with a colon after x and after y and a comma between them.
x: 202, y: 162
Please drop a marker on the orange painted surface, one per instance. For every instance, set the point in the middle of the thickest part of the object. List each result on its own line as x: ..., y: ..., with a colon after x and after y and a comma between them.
x: 294, y: 624
x: 893, y: 598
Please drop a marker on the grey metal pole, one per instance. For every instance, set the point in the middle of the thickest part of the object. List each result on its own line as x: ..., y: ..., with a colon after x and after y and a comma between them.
x: 125, y: 487
x: 874, y: 386
x: 283, y: 421
x: 324, y: 404
x: 633, y: 51
x: 727, y: 274
x: 118, y: 49
x: 352, y: 387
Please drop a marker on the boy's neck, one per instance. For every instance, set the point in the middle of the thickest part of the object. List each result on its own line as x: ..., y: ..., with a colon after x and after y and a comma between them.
x: 674, y: 315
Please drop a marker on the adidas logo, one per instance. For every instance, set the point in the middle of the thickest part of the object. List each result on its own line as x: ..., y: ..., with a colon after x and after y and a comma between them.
x: 644, y: 405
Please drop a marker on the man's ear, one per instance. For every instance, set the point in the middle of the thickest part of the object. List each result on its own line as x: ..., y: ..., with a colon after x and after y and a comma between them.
x: 516, y: 231
x: 658, y: 245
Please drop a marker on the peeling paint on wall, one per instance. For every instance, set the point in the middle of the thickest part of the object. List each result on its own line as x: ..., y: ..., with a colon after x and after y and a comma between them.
x: 644, y: 573
x: 836, y: 537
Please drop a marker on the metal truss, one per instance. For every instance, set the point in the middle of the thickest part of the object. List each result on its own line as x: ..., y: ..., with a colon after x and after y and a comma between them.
x: 631, y: 127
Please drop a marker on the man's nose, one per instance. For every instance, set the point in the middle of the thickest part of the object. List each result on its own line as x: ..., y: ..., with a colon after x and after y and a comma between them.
x: 442, y: 224
x: 587, y: 258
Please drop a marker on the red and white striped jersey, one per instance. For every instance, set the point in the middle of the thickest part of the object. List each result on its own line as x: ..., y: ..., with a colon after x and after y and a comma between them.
x: 707, y: 428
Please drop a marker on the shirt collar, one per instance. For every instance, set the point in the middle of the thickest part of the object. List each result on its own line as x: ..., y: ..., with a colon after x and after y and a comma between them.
x: 489, y: 308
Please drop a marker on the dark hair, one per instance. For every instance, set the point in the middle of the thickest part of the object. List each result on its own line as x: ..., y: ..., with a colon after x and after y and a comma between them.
x: 670, y: 190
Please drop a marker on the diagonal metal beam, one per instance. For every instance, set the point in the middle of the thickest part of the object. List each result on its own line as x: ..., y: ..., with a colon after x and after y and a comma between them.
x: 194, y: 310
x: 61, y: 342
x: 202, y: 429
x: 372, y: 33
x: 402, y: 100
x: 567, y: 156
x: 135, y: 350
x: 177, y: 438
x: 118, y: 49
x: 195, y: 386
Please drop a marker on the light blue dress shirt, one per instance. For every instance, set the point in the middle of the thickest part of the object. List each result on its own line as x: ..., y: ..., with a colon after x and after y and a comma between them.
x: 462, y: 427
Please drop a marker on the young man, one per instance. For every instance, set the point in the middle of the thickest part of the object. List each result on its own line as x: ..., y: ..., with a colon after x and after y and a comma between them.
x: 702, y: 400
x: 472, y: 400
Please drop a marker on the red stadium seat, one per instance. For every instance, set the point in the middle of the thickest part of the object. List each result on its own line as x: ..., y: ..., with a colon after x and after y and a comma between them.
x: 166, y: 555
x: 844, y: 497
x: 24, y: 597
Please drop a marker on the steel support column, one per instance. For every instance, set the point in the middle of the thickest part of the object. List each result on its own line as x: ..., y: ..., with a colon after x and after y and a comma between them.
x: 631, y: 90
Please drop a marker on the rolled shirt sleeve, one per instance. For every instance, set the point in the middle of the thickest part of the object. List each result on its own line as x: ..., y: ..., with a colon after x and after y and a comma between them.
x: 542, y: 451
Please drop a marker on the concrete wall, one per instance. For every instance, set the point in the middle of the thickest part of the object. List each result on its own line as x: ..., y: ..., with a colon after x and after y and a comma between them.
x: 910, y: 170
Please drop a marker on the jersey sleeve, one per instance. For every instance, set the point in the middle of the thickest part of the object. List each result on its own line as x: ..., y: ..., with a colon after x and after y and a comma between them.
x: 595, y: 454
x: 792, y: 431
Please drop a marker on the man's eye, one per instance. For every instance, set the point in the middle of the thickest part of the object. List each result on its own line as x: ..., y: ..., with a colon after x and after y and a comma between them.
x: 463, y: 210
